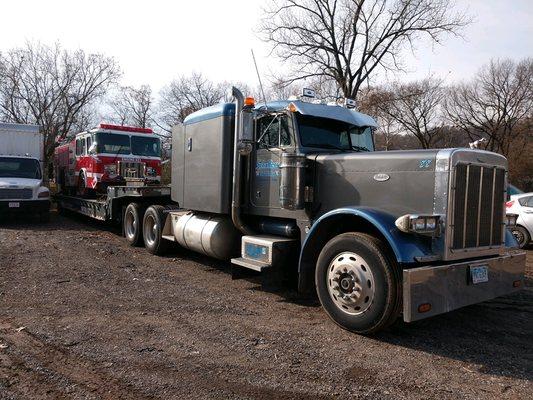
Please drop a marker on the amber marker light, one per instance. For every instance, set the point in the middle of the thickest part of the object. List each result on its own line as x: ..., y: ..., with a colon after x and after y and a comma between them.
x: 291, y: 107
x: 422, y: 308
x: 249, y: 102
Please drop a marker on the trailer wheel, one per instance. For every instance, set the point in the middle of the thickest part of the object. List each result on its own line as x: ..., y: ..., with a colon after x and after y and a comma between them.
x: 132, y: 224
x: 153, y: 222
x: 357, y: 283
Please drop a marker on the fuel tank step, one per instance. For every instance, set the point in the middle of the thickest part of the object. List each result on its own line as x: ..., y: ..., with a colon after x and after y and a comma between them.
x: 259, y: 252
x: 250, y: 264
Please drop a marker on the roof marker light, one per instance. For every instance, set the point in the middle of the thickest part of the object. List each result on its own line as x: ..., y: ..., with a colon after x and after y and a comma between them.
x: 350, y: 103
x: 309, y: 93
x: 125, y: 128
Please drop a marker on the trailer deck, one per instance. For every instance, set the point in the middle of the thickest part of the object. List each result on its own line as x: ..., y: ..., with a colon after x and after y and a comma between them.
x: 110, y: 207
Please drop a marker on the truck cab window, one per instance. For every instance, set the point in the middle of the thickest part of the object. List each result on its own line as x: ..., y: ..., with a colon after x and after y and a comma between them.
x: 89, y: 141
x: 79, y: 148
x: 273, y: 131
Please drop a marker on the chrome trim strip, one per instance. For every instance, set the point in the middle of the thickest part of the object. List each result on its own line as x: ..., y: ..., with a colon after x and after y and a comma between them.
x: 466, y: 203
x: 481, y: 173
x: 492, y: 205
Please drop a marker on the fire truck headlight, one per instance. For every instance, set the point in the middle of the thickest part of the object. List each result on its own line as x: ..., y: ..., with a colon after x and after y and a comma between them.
x: 110, y: 169
x: 150, y: 171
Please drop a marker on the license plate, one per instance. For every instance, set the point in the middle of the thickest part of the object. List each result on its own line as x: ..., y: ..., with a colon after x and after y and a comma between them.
x: 14, y: 204
x: 479, y: 274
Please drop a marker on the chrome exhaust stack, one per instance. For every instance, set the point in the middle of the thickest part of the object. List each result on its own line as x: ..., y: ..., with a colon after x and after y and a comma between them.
x: 242, y: 147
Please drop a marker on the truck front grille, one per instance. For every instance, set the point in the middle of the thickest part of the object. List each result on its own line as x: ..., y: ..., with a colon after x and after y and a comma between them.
x: 15, y: 194
x: 131, y: 169
x: 479, y: 196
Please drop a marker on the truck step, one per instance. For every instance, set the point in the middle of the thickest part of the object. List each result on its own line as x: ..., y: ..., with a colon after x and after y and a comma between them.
x: 250, y: 264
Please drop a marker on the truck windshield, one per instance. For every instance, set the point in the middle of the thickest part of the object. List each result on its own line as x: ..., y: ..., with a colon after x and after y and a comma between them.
x: 112, y: 143
x: 19, y: 168
x: 333, y: 134
x: 146, y: 146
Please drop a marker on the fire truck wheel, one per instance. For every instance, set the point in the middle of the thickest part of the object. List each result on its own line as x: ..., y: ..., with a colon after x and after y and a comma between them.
x: 358, y: 283
x: 82, y: 187
x: 132, y: 224
x: 153, y: 222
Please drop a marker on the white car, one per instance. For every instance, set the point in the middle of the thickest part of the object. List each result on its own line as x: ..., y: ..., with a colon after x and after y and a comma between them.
x: 522, y: 205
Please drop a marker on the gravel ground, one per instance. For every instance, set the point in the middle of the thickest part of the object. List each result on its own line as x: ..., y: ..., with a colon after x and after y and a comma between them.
x: 84, y: 316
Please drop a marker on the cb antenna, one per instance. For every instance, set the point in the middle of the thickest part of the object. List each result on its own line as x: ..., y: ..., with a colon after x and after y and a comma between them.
x: 259, y: 78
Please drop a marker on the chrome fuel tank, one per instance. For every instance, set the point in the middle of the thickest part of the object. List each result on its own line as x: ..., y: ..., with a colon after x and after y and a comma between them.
x: 212, y: 235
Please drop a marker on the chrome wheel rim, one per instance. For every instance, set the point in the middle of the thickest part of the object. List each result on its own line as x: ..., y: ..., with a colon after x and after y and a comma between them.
x: 519, y: 236
x: 150, y: 230
x: 350, y: 283
x: 131, y: 225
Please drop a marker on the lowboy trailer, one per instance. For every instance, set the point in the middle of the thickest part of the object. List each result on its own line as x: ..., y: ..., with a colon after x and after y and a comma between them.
x: 297, y: 186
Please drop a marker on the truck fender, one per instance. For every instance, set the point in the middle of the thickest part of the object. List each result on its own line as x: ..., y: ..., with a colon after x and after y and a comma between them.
x: 405, y: 247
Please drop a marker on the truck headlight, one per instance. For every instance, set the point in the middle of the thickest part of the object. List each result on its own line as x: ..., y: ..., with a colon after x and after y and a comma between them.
x: 428, y: 224
x: 110, y: 169
x: 150, y: 171
x: 510, y: 219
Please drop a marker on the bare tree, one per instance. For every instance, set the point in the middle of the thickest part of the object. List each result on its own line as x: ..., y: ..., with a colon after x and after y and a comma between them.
x: 417, y: 109
x: 132, y: 106
x: 184, y: 96
x: 494, y: 104
x: 348, y: 41
x: 52, y: 87
x: 377, y: 102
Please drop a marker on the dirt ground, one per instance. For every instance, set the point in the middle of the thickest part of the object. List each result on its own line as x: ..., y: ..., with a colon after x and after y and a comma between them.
x: 84, y: 316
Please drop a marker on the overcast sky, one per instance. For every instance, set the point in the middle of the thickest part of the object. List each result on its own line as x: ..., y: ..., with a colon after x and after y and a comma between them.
x: 156, y: 41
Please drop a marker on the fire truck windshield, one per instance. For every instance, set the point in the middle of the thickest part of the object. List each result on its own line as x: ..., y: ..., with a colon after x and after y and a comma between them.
x: 145, y: 146
x: 112, y: 143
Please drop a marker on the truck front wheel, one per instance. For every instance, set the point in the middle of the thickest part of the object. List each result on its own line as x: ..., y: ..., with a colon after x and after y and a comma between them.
x: 358, y: 284
x: 153, y: 222
x: 132, y: 224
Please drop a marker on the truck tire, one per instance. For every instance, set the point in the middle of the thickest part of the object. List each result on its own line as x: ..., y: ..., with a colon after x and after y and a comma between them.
x: 82, y: 187
x: 153, y: 222
x: 132, y: 224
x: 358, y: 283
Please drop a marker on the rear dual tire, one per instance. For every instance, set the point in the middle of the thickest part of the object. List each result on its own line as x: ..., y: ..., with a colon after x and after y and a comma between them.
x: 358, y: 283
x: 132, y: 224
x: 153, y: 222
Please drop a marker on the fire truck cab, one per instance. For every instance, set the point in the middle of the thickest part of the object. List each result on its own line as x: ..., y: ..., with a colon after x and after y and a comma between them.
x: 108, y: 155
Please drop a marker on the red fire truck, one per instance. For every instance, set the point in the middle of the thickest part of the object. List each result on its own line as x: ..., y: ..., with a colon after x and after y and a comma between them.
x: 108, y: 155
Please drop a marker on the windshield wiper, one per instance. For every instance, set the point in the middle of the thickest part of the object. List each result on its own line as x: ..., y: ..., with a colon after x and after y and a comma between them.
x: 359, y: 148
x: 325, y: 146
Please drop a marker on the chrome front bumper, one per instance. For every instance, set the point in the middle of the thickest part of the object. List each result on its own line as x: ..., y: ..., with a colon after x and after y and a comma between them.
x: 448, y: 287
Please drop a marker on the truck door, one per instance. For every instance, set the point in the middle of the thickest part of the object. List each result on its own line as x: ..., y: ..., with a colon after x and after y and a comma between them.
x: 273, y: 134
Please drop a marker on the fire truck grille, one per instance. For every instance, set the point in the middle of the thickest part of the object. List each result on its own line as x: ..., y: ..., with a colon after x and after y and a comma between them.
x: 131, y: 169
x: 479, y: 196
x: 15, y: 194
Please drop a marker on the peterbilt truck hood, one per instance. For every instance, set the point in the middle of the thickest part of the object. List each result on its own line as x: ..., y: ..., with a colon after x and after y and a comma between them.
x: 398, y: 182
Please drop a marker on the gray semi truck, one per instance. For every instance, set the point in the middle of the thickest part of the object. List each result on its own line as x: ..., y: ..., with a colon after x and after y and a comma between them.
x: 296, y: 186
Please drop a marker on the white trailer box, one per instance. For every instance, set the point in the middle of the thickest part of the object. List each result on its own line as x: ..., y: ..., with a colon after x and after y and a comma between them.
x: 21, y: 140
x: 21, y: 172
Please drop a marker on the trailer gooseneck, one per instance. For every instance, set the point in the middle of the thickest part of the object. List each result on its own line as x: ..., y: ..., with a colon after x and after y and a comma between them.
x: 297, y: 186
